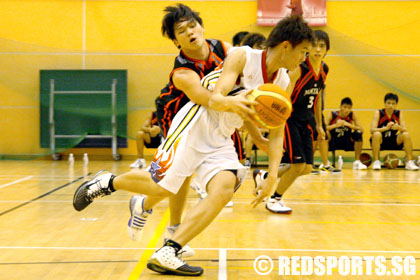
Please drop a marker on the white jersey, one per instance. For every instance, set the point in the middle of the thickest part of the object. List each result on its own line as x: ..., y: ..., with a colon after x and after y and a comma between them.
x: 199, y: 139
x: 253, y: 75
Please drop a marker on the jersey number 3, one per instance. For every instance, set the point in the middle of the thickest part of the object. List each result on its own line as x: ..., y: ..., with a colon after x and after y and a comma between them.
x: 311, y: 101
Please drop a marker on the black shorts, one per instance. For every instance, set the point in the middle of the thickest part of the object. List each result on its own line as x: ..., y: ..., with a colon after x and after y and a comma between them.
x: 345, y: 142
x: 154, y: 141
x: 298, y: 142
x: 389, y: 143
x: 312, y: 123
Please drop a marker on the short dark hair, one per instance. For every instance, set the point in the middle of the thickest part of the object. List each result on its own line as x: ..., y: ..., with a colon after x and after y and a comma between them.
x: 322, y: 35
x: 291, y: 28
x: 238, y: 37
x: 391, y: 96
x: 175, y: 14
x: 253, y: 40
x: 346, y: 100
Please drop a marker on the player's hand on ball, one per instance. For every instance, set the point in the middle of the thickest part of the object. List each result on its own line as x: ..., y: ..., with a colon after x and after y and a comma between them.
x: 240, y: 105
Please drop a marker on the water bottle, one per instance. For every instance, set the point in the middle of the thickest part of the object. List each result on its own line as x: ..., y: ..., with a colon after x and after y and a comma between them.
x: 85, y: 159
x: 71, y: 159
x: 340, y: 162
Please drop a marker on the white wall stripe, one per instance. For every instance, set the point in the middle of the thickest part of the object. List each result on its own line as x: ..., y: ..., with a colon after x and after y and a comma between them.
x: 222, y: 264
x: 16, y: 182
x: 86, y: 53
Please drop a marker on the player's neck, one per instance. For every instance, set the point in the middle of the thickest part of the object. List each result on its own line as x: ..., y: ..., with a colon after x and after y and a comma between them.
x: 273, y: 64
x: 343, y: 115
x: 389, y: 112
x: 316, y: 64
x: 201, y: 53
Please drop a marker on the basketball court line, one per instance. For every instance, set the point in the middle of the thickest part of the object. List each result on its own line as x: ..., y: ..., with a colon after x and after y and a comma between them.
x: 42, y: 195
x: 222, y: 264
x: 15, y: 182
x: 141, y: 265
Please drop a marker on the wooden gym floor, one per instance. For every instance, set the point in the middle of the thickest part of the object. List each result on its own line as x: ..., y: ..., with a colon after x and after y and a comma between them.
x: 355, y: 213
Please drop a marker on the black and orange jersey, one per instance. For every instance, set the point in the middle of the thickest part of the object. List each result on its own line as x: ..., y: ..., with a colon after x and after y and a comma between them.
x: 305, y: 92
x: 171, y: 99
x: 343, y: 130
x: 384, y: 120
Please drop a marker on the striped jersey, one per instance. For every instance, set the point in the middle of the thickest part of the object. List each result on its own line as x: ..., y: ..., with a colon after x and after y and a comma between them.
x: 343, y: 130
x: 305, y: 92
x: 171, y: 99
x: 384, y: 120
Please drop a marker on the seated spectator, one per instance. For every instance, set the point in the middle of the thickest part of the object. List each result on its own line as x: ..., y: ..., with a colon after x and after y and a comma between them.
x: 389, y: 133
x: 149, y: 135
x: 345, y: 131
x: 238, y: 37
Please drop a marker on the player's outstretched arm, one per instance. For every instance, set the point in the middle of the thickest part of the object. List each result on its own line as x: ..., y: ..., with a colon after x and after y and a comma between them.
x: 275, y: 151
x: 189, y: 82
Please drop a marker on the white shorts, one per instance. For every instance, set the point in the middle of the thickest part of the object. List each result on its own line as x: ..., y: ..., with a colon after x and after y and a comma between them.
x: 195, y: 143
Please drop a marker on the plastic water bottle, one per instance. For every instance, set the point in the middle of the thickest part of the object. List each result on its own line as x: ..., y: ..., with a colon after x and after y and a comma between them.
x: 340, y: 162
x: 71, y: 159
x: 85, y: 159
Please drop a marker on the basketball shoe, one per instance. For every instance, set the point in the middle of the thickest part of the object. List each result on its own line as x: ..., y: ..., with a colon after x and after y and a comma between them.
x: 89, y: 190
x: 138, y: 217
x: 186, y: 251
x: 276, y: 205
x: 167, y: 261
x: 376, y: 165
x: 139, y: 163
x: 358, y: 165
x: 328, y: 168
x: 410, y: 165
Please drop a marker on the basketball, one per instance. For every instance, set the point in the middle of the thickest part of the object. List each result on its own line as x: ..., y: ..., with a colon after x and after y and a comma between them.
x: 366, y: 159
x: 273, y: 106
x: 391, y: 161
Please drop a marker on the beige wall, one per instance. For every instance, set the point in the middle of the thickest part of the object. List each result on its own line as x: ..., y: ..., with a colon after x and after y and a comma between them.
x: 36, y: 34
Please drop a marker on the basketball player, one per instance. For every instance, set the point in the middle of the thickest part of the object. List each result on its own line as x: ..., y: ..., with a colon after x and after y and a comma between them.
x: 298, y: 143
x: 345, y: 131
x: 198, y: 56
x: 149, y: 135
x: 389, y: 133
x: 198, y: 142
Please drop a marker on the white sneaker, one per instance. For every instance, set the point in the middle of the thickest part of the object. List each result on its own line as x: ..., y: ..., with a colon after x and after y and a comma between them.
x: 166, y: 261
x: 139, y: 163
x: 229, y: 204
x: 411, y: 166
x: 89, y: 190
x: 376, y: 165
x: 277, y: 206
x: 138, y: 217
x: 247, y: 163
x: 186, y: 251
x: 258, y: 176
x: 358, y: 165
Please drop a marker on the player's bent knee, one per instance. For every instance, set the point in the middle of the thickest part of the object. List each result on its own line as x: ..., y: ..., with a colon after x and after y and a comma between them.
x: 376, y: 135
x: 308, y: 169
x: 298, y: 168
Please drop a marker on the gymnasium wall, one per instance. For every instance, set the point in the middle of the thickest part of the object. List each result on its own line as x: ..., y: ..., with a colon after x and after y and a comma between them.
x: 375, y: 49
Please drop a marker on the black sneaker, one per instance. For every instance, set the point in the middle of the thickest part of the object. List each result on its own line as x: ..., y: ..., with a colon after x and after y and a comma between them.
x: 89, y: 190
x: 166, y: 261
x: 323, y: 168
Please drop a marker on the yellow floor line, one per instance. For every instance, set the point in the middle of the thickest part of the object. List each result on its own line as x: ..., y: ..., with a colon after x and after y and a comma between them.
x: 141, y: 265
